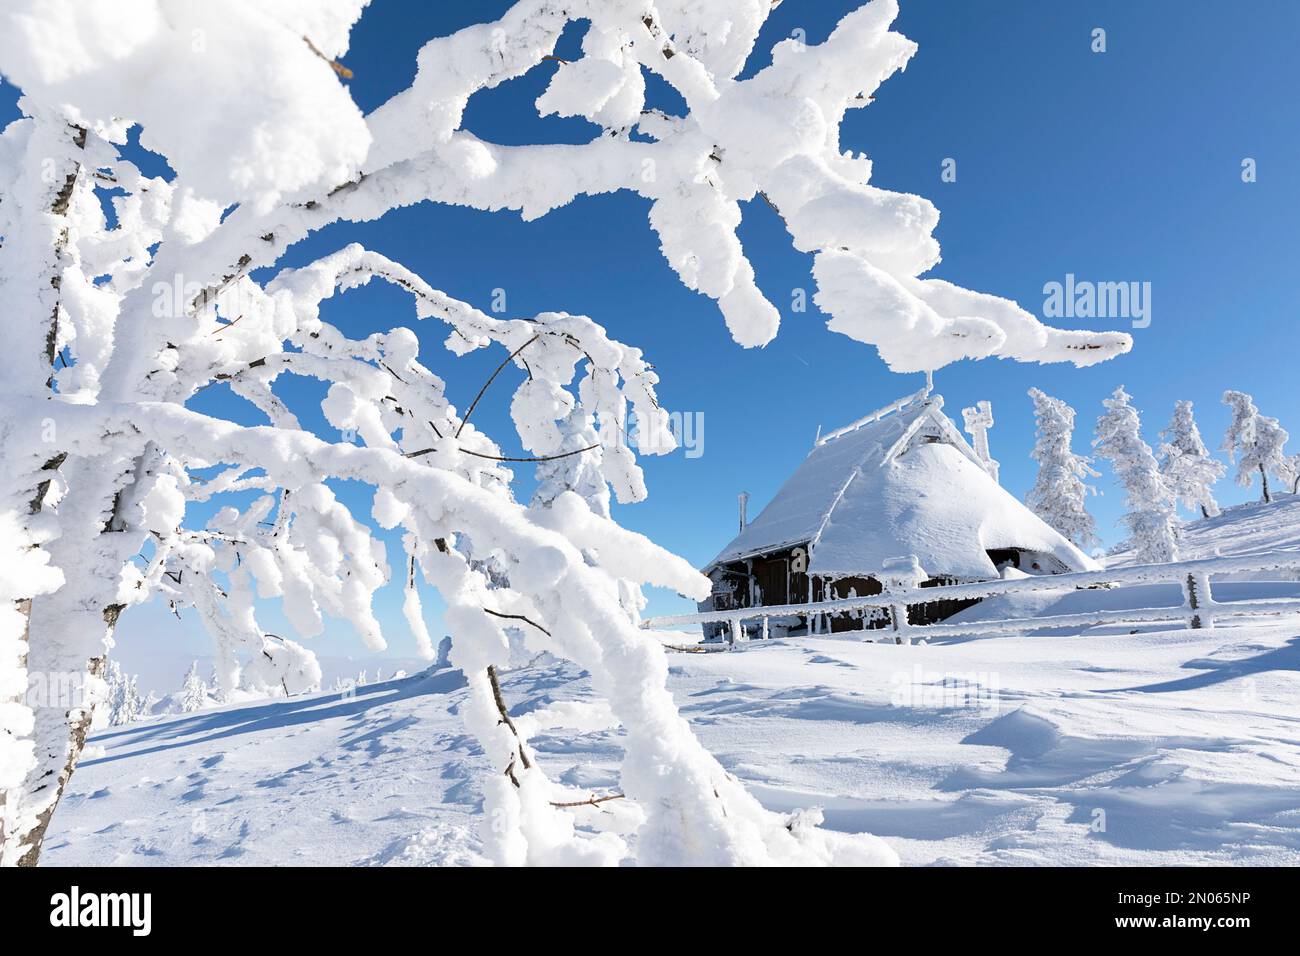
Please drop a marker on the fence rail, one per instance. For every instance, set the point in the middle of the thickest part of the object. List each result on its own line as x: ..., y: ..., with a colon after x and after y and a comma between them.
x: 1199, y: 608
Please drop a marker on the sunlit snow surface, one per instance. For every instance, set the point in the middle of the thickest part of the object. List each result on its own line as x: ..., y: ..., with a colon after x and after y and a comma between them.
x: 1113, y: 745
x: 1183, y: 745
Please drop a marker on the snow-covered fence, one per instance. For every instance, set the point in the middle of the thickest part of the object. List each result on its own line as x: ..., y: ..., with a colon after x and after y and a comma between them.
x: 1199, y: 608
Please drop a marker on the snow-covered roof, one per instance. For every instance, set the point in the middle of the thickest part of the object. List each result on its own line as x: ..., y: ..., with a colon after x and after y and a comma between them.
x: 905, y: 483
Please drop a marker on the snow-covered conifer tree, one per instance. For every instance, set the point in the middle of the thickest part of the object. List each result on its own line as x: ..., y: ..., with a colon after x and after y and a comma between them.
x: 1150, y: 520
x: 123, y: 701
x: 1185, y: 463
x: 1060, y: 492
x: 194, y: 693
x: 1255, y: 442
x: 114, y: 323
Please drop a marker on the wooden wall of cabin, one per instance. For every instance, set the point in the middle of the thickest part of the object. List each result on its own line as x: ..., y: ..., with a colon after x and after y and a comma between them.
x: 932, y: 612
x: 858, y: 587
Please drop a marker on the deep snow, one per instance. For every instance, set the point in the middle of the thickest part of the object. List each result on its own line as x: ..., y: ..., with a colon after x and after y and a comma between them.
x: 1184, y: 744
x: 1115, y: 745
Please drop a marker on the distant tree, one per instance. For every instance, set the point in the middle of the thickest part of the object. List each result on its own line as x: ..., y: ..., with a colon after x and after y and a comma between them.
x: 125, y: 705
x: 1292, y: 473
x: 194, y: 692
x: 1186, y: 465
x: 215, y: 690
x: 1059, y: 493
x: 1150, y: 520
x: 1255, y: 443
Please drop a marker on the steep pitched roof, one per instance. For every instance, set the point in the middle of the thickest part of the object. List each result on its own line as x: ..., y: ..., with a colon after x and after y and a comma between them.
x: 903, y: 483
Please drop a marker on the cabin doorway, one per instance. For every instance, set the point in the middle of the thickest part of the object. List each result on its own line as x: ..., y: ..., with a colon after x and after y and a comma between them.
x: 772, y: 577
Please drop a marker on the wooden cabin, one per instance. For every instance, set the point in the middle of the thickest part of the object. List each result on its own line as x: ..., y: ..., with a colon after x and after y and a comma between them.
x: 901, y: 486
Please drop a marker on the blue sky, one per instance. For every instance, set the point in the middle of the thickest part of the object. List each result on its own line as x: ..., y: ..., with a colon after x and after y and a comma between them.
x: 1115, y: 166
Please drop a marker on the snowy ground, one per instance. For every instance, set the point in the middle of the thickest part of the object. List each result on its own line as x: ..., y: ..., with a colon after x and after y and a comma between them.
x: 1242, y: 529
x: 1149, y: 748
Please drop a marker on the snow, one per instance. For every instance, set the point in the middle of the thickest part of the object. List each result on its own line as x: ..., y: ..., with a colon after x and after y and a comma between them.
x: 1251, y: 528
x: 934, y: 503
x: 1115, y: 745
x: 139, y: 311
x: 288, y: 123
x: 998, y: 751
x: 861, y: 506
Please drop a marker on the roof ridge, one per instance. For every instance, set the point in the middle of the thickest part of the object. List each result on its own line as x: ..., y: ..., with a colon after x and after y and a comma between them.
x: 896, y: 406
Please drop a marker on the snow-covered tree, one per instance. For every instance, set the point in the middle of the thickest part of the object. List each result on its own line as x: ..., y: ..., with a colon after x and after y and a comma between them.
x: 1290, y: 473
x: 114, y: 323
x: 1255, y: 443
x: 1185, y: 463
x: 194, y: 692
x: 1060, y: 492
x: 123, y: 701
x: 213, y: 685
x: 1151, y: 521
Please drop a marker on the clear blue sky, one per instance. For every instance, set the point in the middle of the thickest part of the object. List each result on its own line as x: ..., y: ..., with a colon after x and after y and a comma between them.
x: 1117, y: 166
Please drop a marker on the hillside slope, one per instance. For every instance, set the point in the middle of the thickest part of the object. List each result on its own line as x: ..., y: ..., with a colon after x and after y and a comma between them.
x: 1243, y: 529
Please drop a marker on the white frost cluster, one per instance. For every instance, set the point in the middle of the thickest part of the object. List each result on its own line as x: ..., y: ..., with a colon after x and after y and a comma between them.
x: 1151, y: 520
x: 1255, y: 442
x: 1185, y: 463
x: 1059, y: 495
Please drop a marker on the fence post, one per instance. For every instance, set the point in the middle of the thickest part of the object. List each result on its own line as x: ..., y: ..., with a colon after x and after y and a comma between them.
x: 1199, y: 598
x: 737, y: 632
x: 900, y: 574
x: 898, y: 620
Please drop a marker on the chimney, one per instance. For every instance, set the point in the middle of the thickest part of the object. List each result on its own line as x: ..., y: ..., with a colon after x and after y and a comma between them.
x: 978, y: 420
x: 744, y: 509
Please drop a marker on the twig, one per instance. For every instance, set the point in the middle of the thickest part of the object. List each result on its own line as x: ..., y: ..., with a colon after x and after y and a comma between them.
x: 771, y: 204
x: 508, y: 358
x: 567, y: 454
x: 505, y: 719
x: 590, y: 801
x: 223, y: 328
x: 334, y: 65
x: 515, y: 617
x: 479, y: 454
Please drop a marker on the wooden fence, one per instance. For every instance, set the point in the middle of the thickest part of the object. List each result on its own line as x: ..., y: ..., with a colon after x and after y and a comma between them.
x: 1198, y: 609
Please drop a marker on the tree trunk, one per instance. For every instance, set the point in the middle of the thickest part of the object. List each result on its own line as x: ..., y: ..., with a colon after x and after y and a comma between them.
x: 25, y: 609
x: 28, y: 842
x: 1205, y: 512
x: 70, y: 632
x: 63, y: 704
x: 1263, y: 476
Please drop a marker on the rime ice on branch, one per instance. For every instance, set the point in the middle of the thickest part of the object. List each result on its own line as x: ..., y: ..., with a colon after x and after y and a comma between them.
x: 113, y: 324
